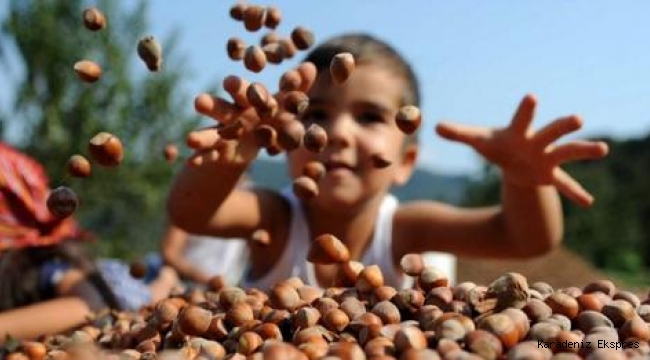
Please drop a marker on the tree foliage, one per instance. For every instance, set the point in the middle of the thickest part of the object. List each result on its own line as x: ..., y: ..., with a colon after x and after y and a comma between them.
x: 56, y: 114
x: 615, y: 232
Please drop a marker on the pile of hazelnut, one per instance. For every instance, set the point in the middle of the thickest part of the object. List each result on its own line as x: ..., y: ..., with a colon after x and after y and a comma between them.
x: 359, y: 317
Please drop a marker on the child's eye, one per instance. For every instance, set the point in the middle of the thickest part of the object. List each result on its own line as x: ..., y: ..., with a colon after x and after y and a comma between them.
x: 314, y: 116
x: 370, y: 118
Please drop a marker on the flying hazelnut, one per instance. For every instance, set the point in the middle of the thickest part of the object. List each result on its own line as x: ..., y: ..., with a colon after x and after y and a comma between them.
x: 261, y: 237
x: 150, y: 52
x: 305, y: 188
x: 79, y: 166
x: 408, y: 119
x: 93, y: 19
x: 88, y: 71
x: 296, y: 102
x: 289, y: 50
x: 254, y: 58
x: 265, y: 135
x: 327, y: 249
x: 170, y: 152
x: 138, y: 269
x: 254, y: 16
x: 273, y: 53
x: 106, y: 149
x: 273, y: 17
x: 236, y: 48
x: 302, y: 38
x: 237, y: 11
x: 341, y: 67
x: 315, y: 138
x: 62, y: 202
x: 412, y: 264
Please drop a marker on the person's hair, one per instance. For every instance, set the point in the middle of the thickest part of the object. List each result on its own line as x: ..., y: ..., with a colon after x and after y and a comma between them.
x: 367, y: 49
x: 20, y: 271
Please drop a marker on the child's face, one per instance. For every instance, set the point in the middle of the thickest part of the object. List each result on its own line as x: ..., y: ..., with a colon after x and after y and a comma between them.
x: 359, y: 120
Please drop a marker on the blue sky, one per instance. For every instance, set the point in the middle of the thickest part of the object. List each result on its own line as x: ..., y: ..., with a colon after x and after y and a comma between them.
x: 475, y: 59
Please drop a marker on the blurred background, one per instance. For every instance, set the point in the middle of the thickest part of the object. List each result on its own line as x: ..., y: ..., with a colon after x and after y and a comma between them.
x: 475, y: 61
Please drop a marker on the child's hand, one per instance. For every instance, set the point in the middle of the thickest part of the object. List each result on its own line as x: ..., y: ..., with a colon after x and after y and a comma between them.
x: 528, y: 157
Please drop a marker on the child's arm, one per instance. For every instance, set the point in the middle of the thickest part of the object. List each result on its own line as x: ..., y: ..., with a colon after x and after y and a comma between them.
x: 529, y: 221
x: 45, y: 318
x: 173, y: 252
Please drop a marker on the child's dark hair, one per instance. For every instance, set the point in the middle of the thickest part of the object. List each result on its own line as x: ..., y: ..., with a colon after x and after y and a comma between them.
x: 20, y: 271
x: 367, y: 49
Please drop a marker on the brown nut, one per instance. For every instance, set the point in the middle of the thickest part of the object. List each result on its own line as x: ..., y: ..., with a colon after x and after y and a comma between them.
x: 409, y: 337
x: 314, y: 169
x: 347, y: 273
x: 590, y: 301
x: 408, y: 119
x: 336, y: 320
x: 194, y: 320
x: 236, y: 48
x: 106, y: 149
x: 328, y: 249
x: 341, y: 67
x: 260, y: 98
x: 285, y: 297
x: 605, y: 286
x: 62, y: 202
x: 635, y: 328
x: 93, y: 19
x: 432, y: 277
x: 273, y: 17
x: 563, y: 304
x: 138, y: 269
x: 237, y: 11
x: 78, y: 166
x: 369, y: 279
x: 254, y: 16
x: 412, y: 264
x: 274, y: 53
x: 619, y: 311
x: 239, y: 314
x: 289, y: 50
x: 305, y: 188
x: 502, y: 327
x: 88, y: 71
x: 315, y: 138
x: 216, y: 283
x: 290, y: 81
x: 231, y: 295
x: 379, y: 161
x: 483, y: 343
x: 254, y: 58
x: 296, y: 102
x: 150, y: 52
x: 170, y: 152
x: 302, y: 38
x: 265, y: 135
x: 270, y: 37
x: 34, y: 350
x: 249, y: 342
x: 387, y: 312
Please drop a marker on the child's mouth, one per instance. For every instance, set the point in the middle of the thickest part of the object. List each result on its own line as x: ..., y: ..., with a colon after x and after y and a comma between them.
x: 335, y: 165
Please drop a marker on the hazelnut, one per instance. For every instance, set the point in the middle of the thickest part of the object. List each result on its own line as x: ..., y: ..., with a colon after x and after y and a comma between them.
x: 309, y: 293
x: 302, y: 38
x: 170, y: 152
x: 237, y: 11
x: 249, y: 342
x: 93, y: 19
x: 369, y: 279
x: 78, y: 166
x: 328, y: 249
x: 268, y: 331
x: 270, y: 37
x: 408, y: 119
x: 150, y: 52
x: 502, y: 327
x: 543, y: 288
x: 410, y: 337
x: 290, y: 81
x: 289, y: 50
x: 273, y: 17
x: 34, y: 350
x: 387, y: 312
x: 605, y: 286
x: 412, y: 264
x: 588, y: 320
x: 484, y: 344
x: 439, y: 296
x: 274, y: 53
x: 635, y: 327
x: 285, y: 297
x: 62, y: 202
x: 619, y: 311
x: 236, y: 48
x: 314, y: 169
x: 537, y: 310
x: 315, y: 138
x: 106, y: 149
x: 254, y: 17
x: 166, y: 311
x: 305, y: 188
x: 379, y: 161
x: 341, y: 67
x: 261, y: 237
x: 432, y: 277
x: 290, y: 131
x: 254, y: 58
x: 231, y: 295
x: 336, y: 320
x: 265, y: 135
x: 347, y: 273
x: 239, y: 314
x: 194, y: 320
x: 296, y: 102
x: 563, y: 304
x: 629, y: 297
x: 88, y: 71
x: 138, y: 269
x: 378, y: 347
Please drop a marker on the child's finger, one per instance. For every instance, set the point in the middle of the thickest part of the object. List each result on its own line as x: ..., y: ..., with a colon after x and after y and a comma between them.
x: 578, y: 150
x: 570, y: 188
x: 471, y: 135
x: 202, y: 139
x: 524, y: 115
x: 555, y: 130
x: 236, y: 86
x: 308, y: 73
x: 203, y: 157
x: 216, y: 107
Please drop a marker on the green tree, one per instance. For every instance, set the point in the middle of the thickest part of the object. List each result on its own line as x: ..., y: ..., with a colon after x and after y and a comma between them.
x: 57, y: 114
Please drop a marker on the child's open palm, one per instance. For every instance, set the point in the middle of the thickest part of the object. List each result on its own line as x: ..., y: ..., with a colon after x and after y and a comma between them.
x: 528, y: 157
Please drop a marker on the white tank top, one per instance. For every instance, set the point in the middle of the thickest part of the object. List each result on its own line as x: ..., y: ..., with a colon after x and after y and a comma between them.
x: 293, y: 260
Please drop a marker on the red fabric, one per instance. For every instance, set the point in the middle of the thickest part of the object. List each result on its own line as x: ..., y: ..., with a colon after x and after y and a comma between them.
x: 24, y: 217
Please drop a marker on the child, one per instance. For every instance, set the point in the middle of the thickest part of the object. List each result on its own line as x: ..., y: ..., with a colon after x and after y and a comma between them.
x: 354, y: 203
x: 48, y: 284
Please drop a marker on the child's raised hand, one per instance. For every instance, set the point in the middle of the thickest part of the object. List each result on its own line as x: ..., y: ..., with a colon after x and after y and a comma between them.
x: 528, y: 157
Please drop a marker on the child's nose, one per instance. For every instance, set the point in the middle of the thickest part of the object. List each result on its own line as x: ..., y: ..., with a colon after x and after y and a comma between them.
x: 340, y: 130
